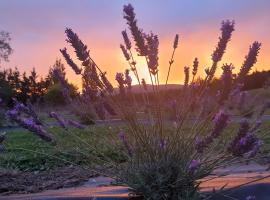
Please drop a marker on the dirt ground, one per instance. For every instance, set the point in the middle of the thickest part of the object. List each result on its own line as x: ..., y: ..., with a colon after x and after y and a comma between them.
x: 31, y: 182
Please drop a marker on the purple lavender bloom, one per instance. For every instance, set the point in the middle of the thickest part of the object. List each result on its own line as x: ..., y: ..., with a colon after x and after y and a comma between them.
x: 248, y: 144
x: 256, y: 148
x: 59, y: 119
x: 126, y: 40
x: 162, y: 144
x: 250, y: 60
x: 30, y: 125
x: 227, y: 80
x: 70, y: 62
x: 75, y: 124
x: 186, y: 71
x: 195, y: 66
x: 137, y: 33
x: 80, y: 48
x: 152, y: 52
x: 227, y: 27
x: 193, y: 166
x: 125, y: 53
x: 128, y: 79
x: 121, y: 81
x: 220, y: 122
x: 12, y: 114
x: 106, y: 82
x: 175, y: 43
x: 122, y: 137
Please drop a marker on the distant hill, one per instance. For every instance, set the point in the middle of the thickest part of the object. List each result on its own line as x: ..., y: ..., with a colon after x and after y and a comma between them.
x: 138, y: 89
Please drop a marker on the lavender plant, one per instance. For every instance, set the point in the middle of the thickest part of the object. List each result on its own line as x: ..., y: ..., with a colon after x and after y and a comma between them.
x: 162, y: 162
x: 165, y: 159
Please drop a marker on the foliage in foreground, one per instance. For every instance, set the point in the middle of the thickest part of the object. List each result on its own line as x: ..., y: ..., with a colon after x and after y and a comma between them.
x: 161, y: 162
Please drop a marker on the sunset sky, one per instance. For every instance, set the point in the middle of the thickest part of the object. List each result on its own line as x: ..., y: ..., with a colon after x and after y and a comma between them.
x: 37, y: 31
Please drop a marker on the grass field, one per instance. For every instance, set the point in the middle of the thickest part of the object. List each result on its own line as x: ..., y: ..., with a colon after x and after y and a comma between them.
x: 28, y: 153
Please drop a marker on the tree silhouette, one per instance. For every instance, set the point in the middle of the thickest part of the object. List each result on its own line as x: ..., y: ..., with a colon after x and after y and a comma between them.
x: 5, y: 48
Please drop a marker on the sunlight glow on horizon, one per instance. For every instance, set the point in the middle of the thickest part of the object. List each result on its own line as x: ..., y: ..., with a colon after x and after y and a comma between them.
x: 38, y: 46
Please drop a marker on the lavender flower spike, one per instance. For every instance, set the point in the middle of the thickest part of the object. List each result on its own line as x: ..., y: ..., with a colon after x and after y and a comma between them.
x: 125, y: 53
x: 186, y: 71
x: 126, y: 40
x: 193, y: 166
x: 175, y: 43
x: 227, y: 28
x: 195, y: 66
x: 152, y: 44
x: 220, y: 122
x: 30, y: 125
x: 137, y: 33
x: 70, y: 62
x: 250, y: 60
x: 59, y: 119
x: 80, y: 48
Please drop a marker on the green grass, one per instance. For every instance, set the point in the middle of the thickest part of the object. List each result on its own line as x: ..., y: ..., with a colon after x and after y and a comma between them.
x: 28, y: 153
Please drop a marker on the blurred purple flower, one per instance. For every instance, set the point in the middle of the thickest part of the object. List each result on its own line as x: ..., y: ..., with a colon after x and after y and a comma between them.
x: 126, y: 40
x: 195, y: 66
x: 227, y: 81
x: 70, y: 62
x: 186, y: 71
x: 152, y: 53
x: 250, y: 60
x: 250, y: 198
x: 220, y: 122
x: 119, y: 77
x: 193, y: 166
x: 59, y: 119
x: 30, y: 125
x: 128, y: 79
x: 137, y: 33
x: 162, y: 144
x: 227, y: 27
x: 125, y: 53
x: 175, y: 43
x: 80, y: 48
x: 106, y: 82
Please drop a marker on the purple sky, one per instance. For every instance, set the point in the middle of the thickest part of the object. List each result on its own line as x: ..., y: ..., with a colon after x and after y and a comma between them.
x: 37, y: 30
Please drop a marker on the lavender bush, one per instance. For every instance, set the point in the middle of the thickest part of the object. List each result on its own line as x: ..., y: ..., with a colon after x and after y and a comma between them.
x: 164, y: 159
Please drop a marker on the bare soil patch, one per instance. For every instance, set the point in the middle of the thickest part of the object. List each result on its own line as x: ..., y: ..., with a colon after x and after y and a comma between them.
x: 30, y: 182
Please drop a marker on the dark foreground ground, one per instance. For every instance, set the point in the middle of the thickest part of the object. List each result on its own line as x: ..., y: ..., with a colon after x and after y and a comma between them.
x: 100, y: 188
x: 19, y: 182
